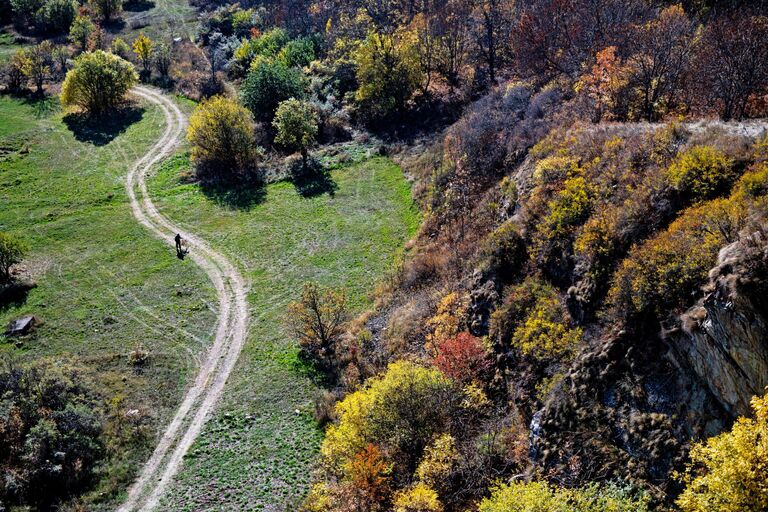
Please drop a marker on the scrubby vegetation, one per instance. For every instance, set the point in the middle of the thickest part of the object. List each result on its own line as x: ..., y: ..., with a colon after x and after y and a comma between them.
x: 588, y: 226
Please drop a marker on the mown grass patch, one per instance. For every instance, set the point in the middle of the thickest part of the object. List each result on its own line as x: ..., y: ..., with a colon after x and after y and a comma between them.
x: 104, y: 284
x: 257, y: 451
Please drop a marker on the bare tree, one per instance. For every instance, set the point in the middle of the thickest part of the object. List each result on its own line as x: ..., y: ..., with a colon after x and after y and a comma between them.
x: 732, y: 62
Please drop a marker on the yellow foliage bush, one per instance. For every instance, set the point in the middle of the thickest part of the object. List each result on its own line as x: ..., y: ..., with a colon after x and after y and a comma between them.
x: 729, y: 472
x: 540, y: 497
x: 662, y: 273
x: 419, y: 498
x: 701, y: 171
x: 438, y: 461
x: 448, y: 320
x: 544, y: 334
x: 400, y: 411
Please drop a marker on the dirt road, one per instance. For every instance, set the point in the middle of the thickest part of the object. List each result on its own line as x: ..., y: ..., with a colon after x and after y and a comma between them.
x: 205, y: 391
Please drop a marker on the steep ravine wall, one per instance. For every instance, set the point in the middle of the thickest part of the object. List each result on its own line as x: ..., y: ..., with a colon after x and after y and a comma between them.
x: 725, y: 337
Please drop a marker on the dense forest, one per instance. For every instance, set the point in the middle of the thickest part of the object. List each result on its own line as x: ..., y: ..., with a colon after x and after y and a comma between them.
x: 580, y: 322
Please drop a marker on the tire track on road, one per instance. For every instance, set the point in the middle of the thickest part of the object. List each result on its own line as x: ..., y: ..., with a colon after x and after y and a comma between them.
x: 201, y: 397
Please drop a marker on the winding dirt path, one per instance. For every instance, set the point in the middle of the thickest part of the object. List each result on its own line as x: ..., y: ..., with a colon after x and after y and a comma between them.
x: 232, y: 323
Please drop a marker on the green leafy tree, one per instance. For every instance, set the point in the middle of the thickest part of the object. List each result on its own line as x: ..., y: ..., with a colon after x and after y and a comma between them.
x: 98, y: 82
x: 296, y: 125
x: 38, y: 64
x: 269, y: 83
x: 25, y: 10
x: 14, y: 71
x: 221, y: 133
x: 12, y: 251
x: 298, y: 53
x: 388, y: 73
x: 56, y: 16
x: 80, y: 31
x: 108, y: 9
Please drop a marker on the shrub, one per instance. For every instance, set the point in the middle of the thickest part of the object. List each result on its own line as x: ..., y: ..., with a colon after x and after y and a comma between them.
x: 701, y: 172
x: 296, y: 125
x: 14, y: 71
x: 266, y: 45
x: 12, y: 251
x: 298, y: 53
x: 270, y: 82
x: 462, y: 358
x: 448, y: 319
x: 221, y: 133
x: 369, y: 473
x: 120, y: 48
x: 401, y: 411
x: 144, y: 49
x: 80, y: 31
x: 664, y: 273
x: 51, y: 435
x: 108, y: 9
x: 544, y: 334
x: 729, y: 472
x: 754, y: 183
x: 38, y: 64
x: 316, y: 321
x: 438, y: 462
x: 97, y: 82
x: 418, y: 498
x: 540, y: 497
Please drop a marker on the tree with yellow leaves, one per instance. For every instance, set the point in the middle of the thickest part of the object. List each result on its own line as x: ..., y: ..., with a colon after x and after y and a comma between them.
x: 221, y: 133
x: 729, y: 472
x: 144, y: 48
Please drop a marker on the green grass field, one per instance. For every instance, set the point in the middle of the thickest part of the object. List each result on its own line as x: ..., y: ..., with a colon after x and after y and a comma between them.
x: 103, y: 284
x: 257, y: 451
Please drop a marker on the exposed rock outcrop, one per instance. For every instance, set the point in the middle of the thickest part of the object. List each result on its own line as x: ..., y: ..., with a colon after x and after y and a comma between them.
x: 725, y: 336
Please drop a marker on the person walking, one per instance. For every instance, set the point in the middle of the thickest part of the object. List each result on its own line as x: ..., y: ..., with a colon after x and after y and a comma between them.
x: 177, y: 238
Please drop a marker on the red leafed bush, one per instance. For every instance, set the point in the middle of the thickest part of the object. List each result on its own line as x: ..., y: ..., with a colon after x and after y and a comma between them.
x: 463, y: 358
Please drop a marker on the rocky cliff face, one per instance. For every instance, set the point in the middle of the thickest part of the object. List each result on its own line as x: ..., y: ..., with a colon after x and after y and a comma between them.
x: 725, y: 337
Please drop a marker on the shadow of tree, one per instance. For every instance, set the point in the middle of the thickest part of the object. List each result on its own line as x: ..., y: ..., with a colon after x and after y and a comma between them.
x: 312, y: 180
x: 43, y: 106
x: 102, y: 130
x: 14, y: 294
x: 138, y: 5
x: 242, y: 194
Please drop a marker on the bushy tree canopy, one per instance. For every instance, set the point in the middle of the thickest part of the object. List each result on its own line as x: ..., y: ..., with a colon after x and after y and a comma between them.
x: 296, y: 124
x: 222, y: 136
x: 12, y: 251
x: 98, y: 82
x: 270, y: 82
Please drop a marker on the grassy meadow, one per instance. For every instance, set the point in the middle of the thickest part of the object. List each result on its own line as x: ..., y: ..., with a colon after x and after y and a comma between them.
x: 257, y: 452
x: 104, y: 285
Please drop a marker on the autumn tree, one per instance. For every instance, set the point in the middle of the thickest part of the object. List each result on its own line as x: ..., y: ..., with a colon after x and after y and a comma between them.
x: 463, y: 358
x: 14, y: 71
x: 316, y: 321
x: 732, y: 62
x: 98, y: 82
x: 604, y: 83
x: 661, y: 49
x: 143, y: 48
x: 221, y: 133
x: 729, y: 472
x: 38, y: 64
x: 12, y: 251
x: 296, y: 125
